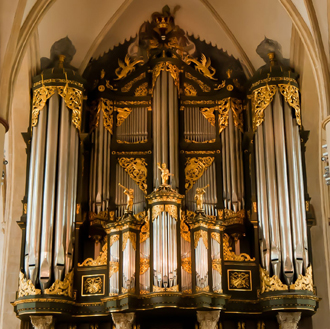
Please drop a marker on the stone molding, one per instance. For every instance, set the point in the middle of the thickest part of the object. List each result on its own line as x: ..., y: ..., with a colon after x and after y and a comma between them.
x: 123, y: 320
x: 208, y: 319
x: 288, y: 320
x: 42, y: 322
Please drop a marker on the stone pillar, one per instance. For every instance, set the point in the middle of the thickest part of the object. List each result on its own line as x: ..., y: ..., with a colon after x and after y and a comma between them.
x: 288, y: 320
x: 42, y: 322
x: 123, y: 320
x: 208, y: 319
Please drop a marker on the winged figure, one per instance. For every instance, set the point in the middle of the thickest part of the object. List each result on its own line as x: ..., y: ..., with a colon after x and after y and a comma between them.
x: 126, y: 68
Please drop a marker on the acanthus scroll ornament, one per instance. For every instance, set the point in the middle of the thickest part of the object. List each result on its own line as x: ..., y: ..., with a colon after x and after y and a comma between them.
x: 228, y: 254
x: 106, y: 107
x: 64, y: 287
x: 304, y: 282
x: 195, y: 168
x: 268, y: 283
x: 100, y: 260
x: 224, y: 106
x: 26, y: 287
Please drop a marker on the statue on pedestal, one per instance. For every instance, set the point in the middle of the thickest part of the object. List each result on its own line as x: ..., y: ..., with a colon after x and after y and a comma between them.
x: 165, y: 173
x: 200, y: 191
x: 130, y: 197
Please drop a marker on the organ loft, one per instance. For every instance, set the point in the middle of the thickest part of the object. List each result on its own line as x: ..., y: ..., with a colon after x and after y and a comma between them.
x: 165, y: 190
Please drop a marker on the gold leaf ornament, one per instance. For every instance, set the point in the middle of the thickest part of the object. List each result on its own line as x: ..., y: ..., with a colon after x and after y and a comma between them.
x: 100, y: 260
x: 194, y: 169
x: 93, y: 285
x: 268, y: 283
x: 136, y: 168
x: 26, y: 287
x: 230, y: 255
x: 64, y: 288
x: 201, y: 234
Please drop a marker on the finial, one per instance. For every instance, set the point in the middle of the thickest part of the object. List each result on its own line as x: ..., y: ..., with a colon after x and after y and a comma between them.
x: 271, y: 57
x: 61, y: 59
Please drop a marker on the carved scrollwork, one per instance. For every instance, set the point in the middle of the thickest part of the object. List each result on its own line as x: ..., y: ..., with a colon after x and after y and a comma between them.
x: 168, y: 67
x: 304, y: 282
x: 184, y: 230
x: 201, y: 234
x: 195, y: 168
x: 106, y: 106
x: 132, y: 237
x: 144, y: 265
x: 216, y: 265
x: 205, y: 289
x: 113, y: 238
x: 201, y: 84
x: 122, y: 114
x: 208, y: 113
x: 64, y: 288
x: 142, y: 90
x: 216, y: 236
x: 291, y: 96
x: 114, y: 268
x: 136, y: 168
x: 145, y: 230
x: 235, y: 105
x: 186, y: 264
x: 172, y: 210
x: 268, y: 283
x: 228, y: 254
x: 157, y: 210
x: 189, y: 90
x: 40, y: 97
x: 93, y: 285
x: 129, y: 85
x: 204, y: 66
x: 26, y: 287
x: 100, y: 260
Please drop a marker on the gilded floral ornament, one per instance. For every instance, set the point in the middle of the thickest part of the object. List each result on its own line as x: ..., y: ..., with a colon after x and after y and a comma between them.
x: 216, y: 265
x: 184, y: 230
x: 122, y: 114
x: 204, y: 66
x: 208, y: 113
x: 268, y: 283
x: 224, y: 106
x: 130, y: 84
x: 100, y: 260
x: 172, y: 210
x: 113, y: 238
x: 126, y: 67
x: 194, y: 169
x: 304, y: 282
x: 157, y: 210
x: 216, y: 236
x: 93, y: 285
x: 171, y: 289
x: 228, y: 254
x: 64, y: 288
x: 132, y: 237
x: 26, y: 287
x: 73, y: 98
x: 201, y: 84
x: 106, y: 107
x: 145, y: 230
x: 167, y: 67
x: 291, y: 96
x: 141, y: 90
x: 186, y: 264
x: 205, y: 289
x: 113, y: 268
x: 136, y: 168
x: 144, y: 265
x: 201, y: 234
x: 189, y: 90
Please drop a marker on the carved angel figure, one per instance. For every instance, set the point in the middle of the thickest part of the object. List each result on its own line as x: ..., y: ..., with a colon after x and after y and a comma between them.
x: 130, y: 197
x: 165, y: 173
x: 200, y: 191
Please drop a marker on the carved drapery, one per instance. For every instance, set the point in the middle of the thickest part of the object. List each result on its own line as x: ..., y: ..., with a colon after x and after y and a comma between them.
x: 194, y: 169
x: 136, y: 168
x: 72, y: 96
x: 263, y: 96
x: 235, y: 105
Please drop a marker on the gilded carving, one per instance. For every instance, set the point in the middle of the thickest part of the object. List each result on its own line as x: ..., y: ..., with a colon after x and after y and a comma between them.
x: 126, y: 68
x: 268, y: 283
x: 145, y: 230
x: 136, y: 168
x: 201, y: 84
x: 189, y: 90
x: 291, y: 96
x: 205, y: 289
x: 144, y: 265
x: 168, y: 67
x: 93, y: 285
x: 26, y: 287
x: 113, y: 238
x: 106, y: 106
x: 216, y: 236
x: 122, y: 114
x: 228, y: 254
x: 216, y: 265
x: 157, y: 210
x: 204, y: 142
x: 64, y: 287
x: 114, y: 268
x: 184, y: 230
x: 171, y: 289
x: 199, y: 197
x: 100, y: 260
x: 239, y: 280
x: 194, y: 169
x: 142, y: 90
x: 129, y: 235
x: 235, y: 105
x: 204, y: 66
x: 129, y: 85
x: 304, y: 282
x: 186, y: 264
x: 201, y: 234
x: 208, y: 113
x: 129, y: 192
x: 172, y: 210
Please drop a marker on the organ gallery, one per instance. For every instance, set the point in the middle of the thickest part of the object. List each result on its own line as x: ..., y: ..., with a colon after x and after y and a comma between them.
x: 165, y: 189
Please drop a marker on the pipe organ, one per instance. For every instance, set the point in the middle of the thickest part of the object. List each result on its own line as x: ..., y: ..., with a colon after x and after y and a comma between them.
x: 177, y: 183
